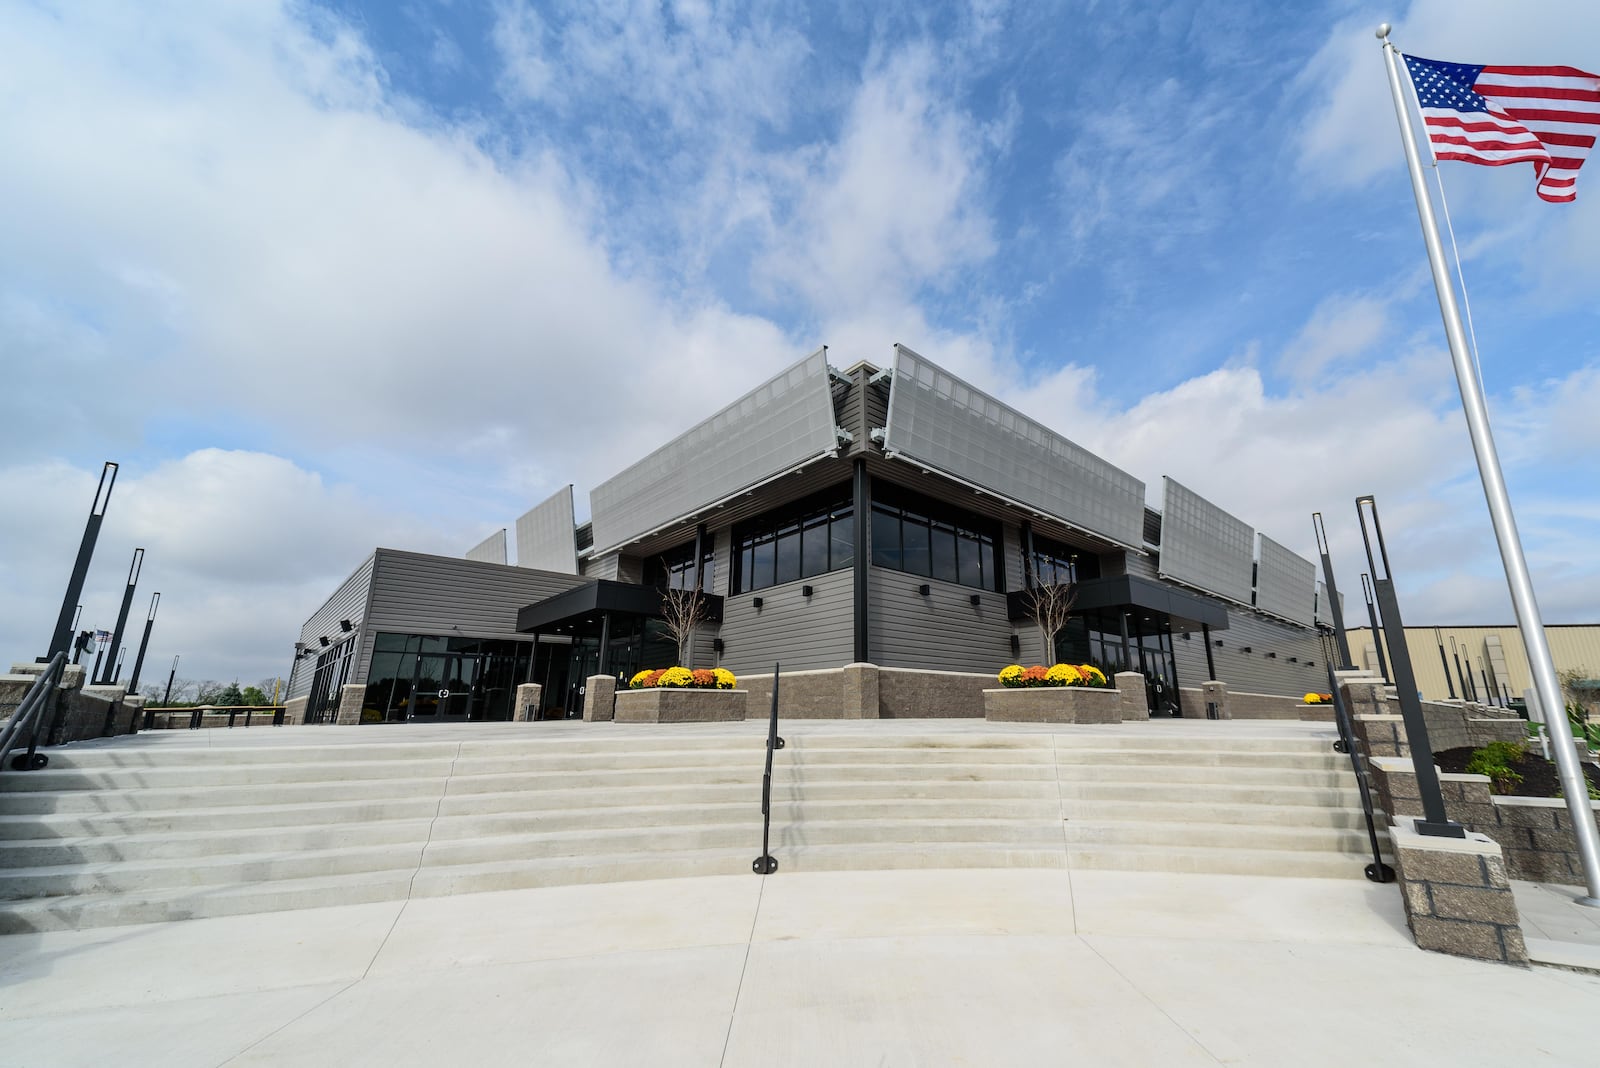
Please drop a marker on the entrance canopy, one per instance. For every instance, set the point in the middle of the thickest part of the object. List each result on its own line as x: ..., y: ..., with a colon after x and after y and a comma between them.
x: 589, y: 604
x: 1186, y: 611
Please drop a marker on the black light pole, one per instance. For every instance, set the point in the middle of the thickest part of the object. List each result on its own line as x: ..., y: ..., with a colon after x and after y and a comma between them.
x: 116, y: 673
x: 1434, y: 821
x: 173, y: 674
x: 1467, y: 692
x: 1488, y: 692
x: 1372, y: 617
x: 1445, y: 663
x: 144, y: 643
x: 99, y: 653
x: 62, y: 638
x: 127, y: 603
x: 1343, y: 642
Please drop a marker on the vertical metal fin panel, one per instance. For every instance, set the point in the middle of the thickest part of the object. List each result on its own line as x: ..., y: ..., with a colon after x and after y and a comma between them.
x: 1203, y: 546
x: 1286, y: 583
x: 491, y: 550
x: 547, y: 537
x: 773, y: 428
x: 938, y: 420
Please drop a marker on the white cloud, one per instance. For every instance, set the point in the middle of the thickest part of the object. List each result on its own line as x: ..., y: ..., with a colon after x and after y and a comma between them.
x: 1342, y: 327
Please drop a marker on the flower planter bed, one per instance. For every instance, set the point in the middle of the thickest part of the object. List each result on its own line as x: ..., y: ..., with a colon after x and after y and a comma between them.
x: 674, y: 705
x: 1053, y: 704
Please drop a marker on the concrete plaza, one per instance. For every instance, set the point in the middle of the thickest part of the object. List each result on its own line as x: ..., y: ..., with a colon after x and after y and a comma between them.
x: 976, y: 967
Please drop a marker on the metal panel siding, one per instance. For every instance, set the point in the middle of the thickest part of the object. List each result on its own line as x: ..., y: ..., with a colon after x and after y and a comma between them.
x: 491, y: 550
x: 775, y: 427
x: 1011, y: 535
x: 1205, y: 547
x: 349, y: 601
x: 1286, y: 583
x: 939, y: 632
x: 601, y: 567
x: 1139, y: 565
x: 802, y: 633
x: 939, y: 420
x: 1573, y: 648
x: 1255, y: 672
x: 547, y: 535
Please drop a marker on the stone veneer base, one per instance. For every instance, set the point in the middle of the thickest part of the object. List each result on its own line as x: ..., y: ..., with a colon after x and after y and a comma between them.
x: 1053, y: 704
x: 665, y: 705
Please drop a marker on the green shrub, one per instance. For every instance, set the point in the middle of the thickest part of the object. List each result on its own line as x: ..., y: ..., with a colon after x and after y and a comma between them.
x: 1494, y: 760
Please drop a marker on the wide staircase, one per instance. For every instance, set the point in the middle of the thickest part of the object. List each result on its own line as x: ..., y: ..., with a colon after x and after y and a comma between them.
x: 188, y: 825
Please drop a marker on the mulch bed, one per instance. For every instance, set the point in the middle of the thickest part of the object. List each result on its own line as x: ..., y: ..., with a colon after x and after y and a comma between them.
x: 1539, y: 777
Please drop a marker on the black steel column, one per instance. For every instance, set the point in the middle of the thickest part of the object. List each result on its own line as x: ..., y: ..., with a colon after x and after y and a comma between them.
x: 80, y: 570
x: 1334, y: 610
x: 116, y: 672
x: 1449, y: 684
x: 1434, y: 821
x: 604, y: 667
x: 1127, y: 658
x: 699, y: 556
x: 99, y: 654
x: 1027, y: 554
x: 144, y: 643
x: 167, y: 700
x: 1211, y: 664
x: 1488, y: 693
x: 862, y: 534
x: 127, y: 603
x: 1372, y: 617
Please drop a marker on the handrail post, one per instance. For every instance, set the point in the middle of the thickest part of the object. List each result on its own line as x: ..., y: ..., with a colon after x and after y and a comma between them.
x: 766, y: 864
x: 1377, y: 871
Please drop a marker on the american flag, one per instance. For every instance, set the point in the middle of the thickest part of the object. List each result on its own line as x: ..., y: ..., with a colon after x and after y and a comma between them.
x: 1495, y: 115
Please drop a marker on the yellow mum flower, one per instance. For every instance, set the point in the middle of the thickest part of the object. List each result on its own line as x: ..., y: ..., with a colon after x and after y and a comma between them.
x: 1009, y: 676
x: 676, y: 676
x: 725, y: 679
x: 638, y: 679
x: 1092, y: 675
x: 1062, y: 675
x: 1312, y: 699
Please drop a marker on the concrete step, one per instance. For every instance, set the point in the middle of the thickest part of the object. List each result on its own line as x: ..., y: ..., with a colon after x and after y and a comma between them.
x: 1274, y: 862
x: 1214, y: 836
x: 1186, y: 774
x: 1205, y: 758
x: 1179, y: 811
x: 1206, y: 794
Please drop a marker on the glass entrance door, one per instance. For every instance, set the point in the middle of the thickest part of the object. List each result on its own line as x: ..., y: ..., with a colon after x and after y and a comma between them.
x: 446, y: 687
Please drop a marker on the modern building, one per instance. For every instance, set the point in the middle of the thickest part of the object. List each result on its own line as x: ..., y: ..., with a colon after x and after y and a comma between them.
x: 894, y: 516
x: 1487, y: 664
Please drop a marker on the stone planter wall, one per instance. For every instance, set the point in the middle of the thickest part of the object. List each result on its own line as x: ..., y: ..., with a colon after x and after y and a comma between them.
x: 670, y: 705
x: 1053, y: 704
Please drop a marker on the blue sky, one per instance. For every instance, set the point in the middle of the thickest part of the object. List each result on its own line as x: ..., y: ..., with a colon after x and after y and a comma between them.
x: 328, y: 276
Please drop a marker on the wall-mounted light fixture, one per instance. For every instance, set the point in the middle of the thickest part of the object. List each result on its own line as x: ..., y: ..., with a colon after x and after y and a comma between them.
x: 1016, y: 645
x: 806, y: 591
x: 756, y: 602
x: 976, y: 600
x: 716, y: 645
x: 924, y: 589
x: 323, y: 640
x: 1218, y: 643
x: 346, y: 626
x: 1272, y: 654
x: 1244, y: 648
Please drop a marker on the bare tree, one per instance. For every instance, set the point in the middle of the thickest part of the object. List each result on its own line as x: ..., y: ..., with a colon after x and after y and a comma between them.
x: 683, y: 611
x: 1050, y: 607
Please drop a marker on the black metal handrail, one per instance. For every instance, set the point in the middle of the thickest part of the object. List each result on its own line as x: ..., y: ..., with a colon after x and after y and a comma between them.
x: 27, y: 716
x: 765, y: 864
x: 1377, y: 871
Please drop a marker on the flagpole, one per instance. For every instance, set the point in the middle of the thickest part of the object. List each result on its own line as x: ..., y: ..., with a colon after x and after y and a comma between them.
x: 1548, y: 687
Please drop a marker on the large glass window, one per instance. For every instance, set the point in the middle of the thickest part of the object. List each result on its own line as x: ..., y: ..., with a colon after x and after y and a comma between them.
x: 923, y: 536
x: 674, y: 569
x: 809, y: 537
x: 1055, y: 563
x: 327, y: 682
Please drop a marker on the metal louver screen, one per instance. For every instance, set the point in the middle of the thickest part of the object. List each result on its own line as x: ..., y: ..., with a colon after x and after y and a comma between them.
x: 491, y: 550
x: 547, y: 537
x: 1203, y: 546
x: 1286, y: 583
x: 940, y: 421
x: 772, y: 429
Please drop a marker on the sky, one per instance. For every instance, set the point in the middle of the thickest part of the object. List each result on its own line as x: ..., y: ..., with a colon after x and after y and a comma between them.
x: 329, y: 276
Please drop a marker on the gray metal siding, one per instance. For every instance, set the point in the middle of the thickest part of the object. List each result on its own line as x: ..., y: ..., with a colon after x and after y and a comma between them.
x: 1011, y: 555
x: 939, y: 632
x: 1255, y: 672
x: 1140, y: 566
x: 413, y: 593
x: 349, y: 601
x: 803, y: 633
x: 547, y: 537
x: 1204, y: 546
